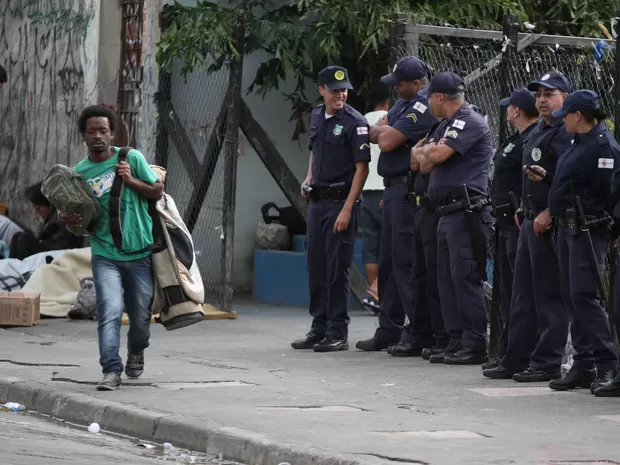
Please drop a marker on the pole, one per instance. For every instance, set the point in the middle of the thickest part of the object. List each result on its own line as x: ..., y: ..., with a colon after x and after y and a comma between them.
x: 511, y: 33
x: 231, y: 147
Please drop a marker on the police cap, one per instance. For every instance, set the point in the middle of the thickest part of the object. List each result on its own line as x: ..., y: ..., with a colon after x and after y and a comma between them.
x: 447, y: 82
x: 406, y: 69
x: 521, y: 98
x: 551, y: 80
x: 578, y: 100
x: 334, y: 78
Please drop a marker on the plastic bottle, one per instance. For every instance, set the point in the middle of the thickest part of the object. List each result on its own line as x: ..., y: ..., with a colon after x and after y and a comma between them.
x: 13, y: 407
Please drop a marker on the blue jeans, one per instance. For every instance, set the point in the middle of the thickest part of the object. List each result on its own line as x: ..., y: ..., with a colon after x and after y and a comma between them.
x: 122, y: 286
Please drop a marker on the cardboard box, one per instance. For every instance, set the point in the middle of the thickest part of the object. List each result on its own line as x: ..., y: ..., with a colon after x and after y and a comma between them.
x: 20, y: 308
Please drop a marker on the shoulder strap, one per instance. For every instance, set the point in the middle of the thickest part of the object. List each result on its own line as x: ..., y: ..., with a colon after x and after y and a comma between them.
x: 116, y: 226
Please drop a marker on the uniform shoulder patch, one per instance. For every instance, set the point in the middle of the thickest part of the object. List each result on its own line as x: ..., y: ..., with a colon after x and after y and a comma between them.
x: 458, y: 123
x: 362, y: 130
x: 606, y: 163
x: 419, y: 106
x: 412, y: 116
x: 452, y: 134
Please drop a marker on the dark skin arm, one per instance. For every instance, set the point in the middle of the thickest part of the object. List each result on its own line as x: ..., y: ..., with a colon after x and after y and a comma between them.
x: 153, y: 191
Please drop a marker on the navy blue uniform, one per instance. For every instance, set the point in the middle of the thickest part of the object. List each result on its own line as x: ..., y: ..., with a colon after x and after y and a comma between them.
x: 538, y: 326
x: 414, y: 120
x: 507, y: 177
x: 337, y: 144
x: 459, y: 277
x: 585, y: 170
x: 427, y: 323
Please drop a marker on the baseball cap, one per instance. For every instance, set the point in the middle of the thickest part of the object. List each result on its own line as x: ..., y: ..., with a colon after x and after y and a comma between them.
x: 521, y: 98
x: 578, y: 100
x: 551, y: 80
x: 334, y: 78
x: 447, y: 82
x: 406, y: 69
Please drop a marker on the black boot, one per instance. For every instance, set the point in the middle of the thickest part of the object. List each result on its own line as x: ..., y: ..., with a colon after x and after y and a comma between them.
x: 308, y: 342
x: 434, y: 350
x: 536, y: 375
x: 575, y: 378
x: 603, y: 377
x: 466, y: 356
x: 452, y: 348
x: 405, y: 349
x: 490, y: 364
x: 499, y: 372
x: 609, y: 390
x: 374, y: 344
x: 331, y: 345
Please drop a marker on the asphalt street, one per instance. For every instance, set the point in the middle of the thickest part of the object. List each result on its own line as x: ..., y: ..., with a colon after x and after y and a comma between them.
x: 31, y: 440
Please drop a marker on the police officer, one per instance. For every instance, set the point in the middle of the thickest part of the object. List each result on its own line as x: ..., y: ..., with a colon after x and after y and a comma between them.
x: 428, y: 326
x: 406, y: 123
x: 521, y: 112
x: 538, y: 323
x: 458, y: 186
x: 339, y: 156
x: 581, y: 184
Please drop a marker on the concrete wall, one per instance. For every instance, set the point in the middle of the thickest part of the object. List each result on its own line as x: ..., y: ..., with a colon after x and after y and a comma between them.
x: 49, y: 51
x: 197, y: 102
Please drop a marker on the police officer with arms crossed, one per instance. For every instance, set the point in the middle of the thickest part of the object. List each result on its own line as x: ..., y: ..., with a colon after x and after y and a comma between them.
x: 428, y: 321
x: 521, y: 112
x: 459, y: 162
x: 406, y: 123
x: 337, y: 171
x: 580, y: 190
x: 538, y: 323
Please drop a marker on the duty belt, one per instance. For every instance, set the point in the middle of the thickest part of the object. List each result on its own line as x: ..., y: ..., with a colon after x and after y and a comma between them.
x: 565, y: 221
x: 389, y: 182
x: 458, y: 205
x: 330, y: 193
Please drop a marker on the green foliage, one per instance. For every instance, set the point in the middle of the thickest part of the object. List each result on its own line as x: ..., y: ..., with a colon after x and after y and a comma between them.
x: 300, y: 37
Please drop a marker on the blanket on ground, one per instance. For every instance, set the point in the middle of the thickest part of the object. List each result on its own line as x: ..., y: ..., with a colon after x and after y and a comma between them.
x: 15, y: 273
x: 59, y: 282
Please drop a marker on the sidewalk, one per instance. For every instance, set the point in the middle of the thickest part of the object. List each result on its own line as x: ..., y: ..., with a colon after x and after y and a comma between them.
x: 237, y: 386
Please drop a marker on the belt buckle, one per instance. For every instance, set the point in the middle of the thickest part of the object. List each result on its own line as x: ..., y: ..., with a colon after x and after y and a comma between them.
x: 418, y: 200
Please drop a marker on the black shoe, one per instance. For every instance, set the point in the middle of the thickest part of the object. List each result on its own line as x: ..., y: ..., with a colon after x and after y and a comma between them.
x: 466, y: 356
x: 452, y: 348
x: 405, y: 349
x: 373, y: 344
x: 608, y: 390
x: 536, y: 375
x: 490, y: 364
x: 575, y: 378
x: 331, y: 345
x: 436, y: 349
x: 602, y: 378
x: 499, y: 372
x: 307, y: 343
x: 135, y: 365
x: 110, y: 382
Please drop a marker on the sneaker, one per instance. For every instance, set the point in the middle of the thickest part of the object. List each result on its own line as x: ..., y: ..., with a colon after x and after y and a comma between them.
x: 110, y: 382
x: 135, y: 365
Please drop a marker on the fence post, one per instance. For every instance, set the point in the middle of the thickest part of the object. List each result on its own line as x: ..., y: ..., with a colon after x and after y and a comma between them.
x: 510, y: 32
x: 231, y: 147
x: 164, y: 91
x: 617, y: 81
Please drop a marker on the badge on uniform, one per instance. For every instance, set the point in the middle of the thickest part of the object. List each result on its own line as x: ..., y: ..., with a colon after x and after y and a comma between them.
x: 452, y: 134
x: 458, y: 124
x: 339, y: 75
x: 509, y: 148
x: 420, y: 107
x: 413, y: 117
x: 338, y: 130
x: 536, y: 154
x: 607, y: 163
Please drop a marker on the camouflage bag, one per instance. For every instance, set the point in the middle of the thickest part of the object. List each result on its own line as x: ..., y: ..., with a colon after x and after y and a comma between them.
x: 68, y: 192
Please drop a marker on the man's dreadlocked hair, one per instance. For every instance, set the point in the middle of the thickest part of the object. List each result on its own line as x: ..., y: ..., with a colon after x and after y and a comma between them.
x: 3, y: 75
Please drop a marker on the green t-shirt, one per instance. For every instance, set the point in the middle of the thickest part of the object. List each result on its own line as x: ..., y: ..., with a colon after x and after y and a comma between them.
x: 136, y: 221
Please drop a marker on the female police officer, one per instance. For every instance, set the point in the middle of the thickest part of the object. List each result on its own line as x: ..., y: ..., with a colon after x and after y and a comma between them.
x: 580, y: 199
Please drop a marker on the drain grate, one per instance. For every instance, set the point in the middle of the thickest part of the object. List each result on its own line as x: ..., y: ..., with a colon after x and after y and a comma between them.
x: 318, y: 408
x: 446, y: 434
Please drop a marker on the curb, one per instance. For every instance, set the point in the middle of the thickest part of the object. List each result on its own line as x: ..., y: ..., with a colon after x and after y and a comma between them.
x: 233, y: 443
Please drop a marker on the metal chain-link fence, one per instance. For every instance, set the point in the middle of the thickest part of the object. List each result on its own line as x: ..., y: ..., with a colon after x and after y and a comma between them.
x: 197, y: 142
x: 478, y: 61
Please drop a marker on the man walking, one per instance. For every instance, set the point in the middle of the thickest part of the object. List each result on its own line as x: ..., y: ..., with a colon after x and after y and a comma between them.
x: 123, y: 278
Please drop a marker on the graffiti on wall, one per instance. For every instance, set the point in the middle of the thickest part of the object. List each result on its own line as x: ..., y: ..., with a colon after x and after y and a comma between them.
x: 41, y: 48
